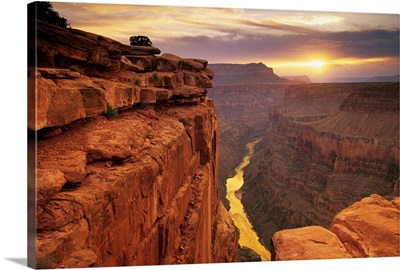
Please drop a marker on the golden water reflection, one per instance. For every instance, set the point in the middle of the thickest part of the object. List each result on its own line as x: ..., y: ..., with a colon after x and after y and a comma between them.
x: 248, y: 237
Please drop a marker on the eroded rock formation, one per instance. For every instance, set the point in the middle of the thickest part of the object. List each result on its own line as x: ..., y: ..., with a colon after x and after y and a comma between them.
x: 243, y: 95
x: 139, y: 189
x: 368, y: 228
x: 326, y: 146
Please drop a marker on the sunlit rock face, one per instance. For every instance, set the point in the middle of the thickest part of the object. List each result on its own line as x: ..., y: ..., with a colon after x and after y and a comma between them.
x: 367, y: 228
x: 325, y: 147
x: 137, y: 188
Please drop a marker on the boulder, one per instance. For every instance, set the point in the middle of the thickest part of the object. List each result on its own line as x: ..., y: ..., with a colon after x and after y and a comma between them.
x: 169, y: 62
x: 71, y: 164
x: 369, y: 228
x: 93, y: 97
x: 191, y: 64
x: 188, y: 91
x: 306, y: 243
x: 118, y: 95
x: 145, y: 62
x: 48, y: 183
x: 53, y: 73
x: 148, y: 95
x: 143, y: 50
x: 128, y: 65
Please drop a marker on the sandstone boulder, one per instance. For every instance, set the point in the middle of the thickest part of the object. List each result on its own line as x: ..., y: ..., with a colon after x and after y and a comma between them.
x: 191, y: 64
x: 168, y: 62
x: 369, y: 228
x: 52, y: 73
x: 128, y: 65
x: 59, y: 213
x: 48, y: 183
x: 93, y: 97
x: 143, y: 50
x: 188, y: 91
x: 306, y: 243
x: 118, y: 95
x: 145, y: 62
x: 148, y: 95
x: 72, y: 164
x: 209, y: 73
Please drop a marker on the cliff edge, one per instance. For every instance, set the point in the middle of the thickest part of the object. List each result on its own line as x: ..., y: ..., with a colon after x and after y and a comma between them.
x: 127, y: 156
x: 355, y: 232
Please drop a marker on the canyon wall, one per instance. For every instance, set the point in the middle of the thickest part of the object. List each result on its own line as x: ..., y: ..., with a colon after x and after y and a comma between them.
x: 243, y: 95
x: 127, y: 156
x: 326, y: 146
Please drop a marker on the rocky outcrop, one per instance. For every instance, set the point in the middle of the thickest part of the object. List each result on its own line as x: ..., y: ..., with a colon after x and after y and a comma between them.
x: 307, y: 243
x: 326, y: 146
x: 368, y: 228
x: 136, y: 189
x: 81, y: 73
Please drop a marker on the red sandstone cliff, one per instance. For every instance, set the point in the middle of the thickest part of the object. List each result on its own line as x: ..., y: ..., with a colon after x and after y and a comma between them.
x: 368, y: 228
x: 326, y: 146
x: 139, y: 189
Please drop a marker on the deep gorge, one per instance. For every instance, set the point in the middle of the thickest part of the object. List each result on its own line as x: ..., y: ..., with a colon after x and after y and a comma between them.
x: 147, y: 186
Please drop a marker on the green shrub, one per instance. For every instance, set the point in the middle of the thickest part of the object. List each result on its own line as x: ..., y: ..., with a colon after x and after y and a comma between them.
x: 111, y: 112
x: 46, y: 13
x: 140, y: 41
x: 137, y: 82
x: 155, y: 75
x: 78, y: 69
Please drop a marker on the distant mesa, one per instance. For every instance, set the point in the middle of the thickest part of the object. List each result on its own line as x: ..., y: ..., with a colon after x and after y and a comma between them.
x: 245, y: 73
x: 394, y: 78
x: 302, y: 78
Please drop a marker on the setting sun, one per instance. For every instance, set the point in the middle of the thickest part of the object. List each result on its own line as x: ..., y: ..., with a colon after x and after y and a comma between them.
x: 317, y: 64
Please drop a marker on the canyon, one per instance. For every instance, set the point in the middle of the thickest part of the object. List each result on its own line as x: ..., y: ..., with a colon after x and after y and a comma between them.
x: 127, y: 156
x: 242, y: 107
x: 134, y: 149
x: 326, y: 146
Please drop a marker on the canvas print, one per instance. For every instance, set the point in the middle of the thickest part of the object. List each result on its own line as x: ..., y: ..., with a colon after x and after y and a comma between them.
x: 164, y: 135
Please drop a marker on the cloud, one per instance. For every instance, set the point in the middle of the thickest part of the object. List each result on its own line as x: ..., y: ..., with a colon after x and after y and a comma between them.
x: 244, y: 35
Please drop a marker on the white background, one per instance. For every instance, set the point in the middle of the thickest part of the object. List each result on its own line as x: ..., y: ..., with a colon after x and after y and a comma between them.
x: 13, y: 187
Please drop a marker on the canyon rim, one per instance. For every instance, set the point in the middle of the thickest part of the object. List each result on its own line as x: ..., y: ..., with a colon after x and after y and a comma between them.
x: 132, y: 145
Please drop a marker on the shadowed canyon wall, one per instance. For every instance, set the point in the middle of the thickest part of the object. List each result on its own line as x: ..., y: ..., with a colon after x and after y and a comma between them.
x: 243, y: 95
x: 325, y: 147
x: 140, y: 188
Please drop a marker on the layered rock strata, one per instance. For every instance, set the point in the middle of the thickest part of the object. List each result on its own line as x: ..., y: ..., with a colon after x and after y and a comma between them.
x: 139, y: 189
x: 326, y: 146
x: 243, y: 95
x: 368, y: 228
x: 80, y: 73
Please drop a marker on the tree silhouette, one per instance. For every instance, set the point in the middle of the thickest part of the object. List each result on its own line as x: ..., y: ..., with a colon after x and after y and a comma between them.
x: 140, y: 41
x: 46, y: 13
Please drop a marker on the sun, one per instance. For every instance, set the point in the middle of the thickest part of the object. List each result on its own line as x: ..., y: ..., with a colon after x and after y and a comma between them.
x: 316, y: 63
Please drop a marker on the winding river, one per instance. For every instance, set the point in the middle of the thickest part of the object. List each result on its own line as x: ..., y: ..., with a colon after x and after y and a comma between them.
x: 248, y: 237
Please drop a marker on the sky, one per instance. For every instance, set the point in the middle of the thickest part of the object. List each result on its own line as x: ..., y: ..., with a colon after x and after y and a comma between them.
x: 317, y: 44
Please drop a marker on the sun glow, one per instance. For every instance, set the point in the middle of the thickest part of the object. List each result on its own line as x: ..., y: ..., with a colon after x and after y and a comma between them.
x: 316, y: 64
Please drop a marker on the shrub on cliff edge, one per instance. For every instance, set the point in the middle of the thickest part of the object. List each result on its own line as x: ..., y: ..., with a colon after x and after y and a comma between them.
x: 140, y: 41
x: 111, y: 112
x: 46, y: 13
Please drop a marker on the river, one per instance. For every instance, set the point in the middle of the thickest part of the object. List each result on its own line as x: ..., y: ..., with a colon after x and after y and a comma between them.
x: 248, y: 237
